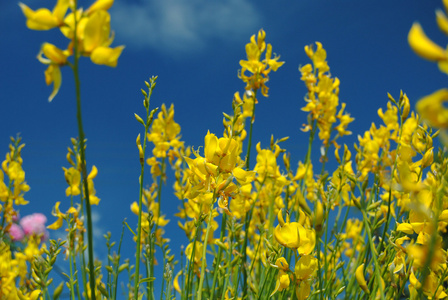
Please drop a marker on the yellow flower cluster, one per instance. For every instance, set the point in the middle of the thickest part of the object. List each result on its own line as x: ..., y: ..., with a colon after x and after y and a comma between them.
x: 212, y: 177
x: 16, y: 266
x: 12, y: 192
x: 390, y: 198
x: 323, y: 96
x: 88, y: 32
x: 11, y: 270
x: 258, y: 68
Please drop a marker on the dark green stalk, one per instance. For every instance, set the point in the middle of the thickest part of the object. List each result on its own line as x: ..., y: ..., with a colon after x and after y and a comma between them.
x: 189, y: 281
x: 83, y: 160
x: 159, y: 196
x: 248, y: 214
x: 373, y: 251
x: 249, y: 142
x: 147, y: 124
x: 117, y: 264
x: 218, y: 258
x: 204, y: 251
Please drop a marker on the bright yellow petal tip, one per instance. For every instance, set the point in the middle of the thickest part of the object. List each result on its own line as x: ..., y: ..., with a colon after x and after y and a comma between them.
x: 106, y: 56
x: 359, y: 275
x: 423, y: 46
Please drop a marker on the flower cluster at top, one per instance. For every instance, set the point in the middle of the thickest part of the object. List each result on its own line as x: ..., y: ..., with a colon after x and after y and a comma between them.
x: 323, y: 96
x: 88, y: 32
x: 258, y: 68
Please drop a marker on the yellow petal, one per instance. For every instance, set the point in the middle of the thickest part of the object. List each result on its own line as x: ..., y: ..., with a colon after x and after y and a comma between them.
x: 406, y: 228
x: 442, y: 21
x: 93, y: 173
x: 54, y: 54
x: 282, y: 264
x: 41, y: 19
x: 53, y: 75
x: 94, y: 200
x: 359, y: 274
x: 72, y: 210
x: 243, y: 176
x: 134, y: 208
x: 176, y: 282
x: 99, y: 5
x: 28, y: 12
x: 97, y: 30
x: 56, y: 225
x: 414, y: 281
x: 34, y: 295
x: 423, y: 46
x: 60, y: 10
x: 210, y: 146
x: 305, y: 267
x: 106, y: 56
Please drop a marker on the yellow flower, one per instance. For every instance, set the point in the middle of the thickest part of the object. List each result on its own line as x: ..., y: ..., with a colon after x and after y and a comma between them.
x: 43, y: 18
x: 305, y: 267
x: 73, y: 178
x: 283, y: 279
x: 53, y: 57
x: 94, y: 200
x: 106, y: 56
x: 253, y: 64
x: 293, y: 235
x: 57, y: 213
x: 303, y: 290
x: 197, y: 255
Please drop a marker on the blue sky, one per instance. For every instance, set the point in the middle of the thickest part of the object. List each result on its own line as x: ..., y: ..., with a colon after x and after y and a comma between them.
x: 195, y: 48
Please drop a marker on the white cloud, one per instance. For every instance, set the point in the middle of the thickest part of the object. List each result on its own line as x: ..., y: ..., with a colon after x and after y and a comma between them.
x: 181, y: 25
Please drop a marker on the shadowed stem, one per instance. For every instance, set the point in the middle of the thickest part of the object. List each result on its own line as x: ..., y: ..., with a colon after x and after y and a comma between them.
x: 248, y: 215
x: 83, y: 161
x: 204, y: 252
x: 147, y: 124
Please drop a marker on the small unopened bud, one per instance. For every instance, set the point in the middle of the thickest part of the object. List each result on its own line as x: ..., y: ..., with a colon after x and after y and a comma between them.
x: 406, y: 108
x: 139, y: 119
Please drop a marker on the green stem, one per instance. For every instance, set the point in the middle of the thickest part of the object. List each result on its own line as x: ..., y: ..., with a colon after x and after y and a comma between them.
x: 117, y: 265
x: 139, y: 224
x: 374, y: 254
x: 204, y: 253
x: 83, y: 161
x: 249, y: 142
x: 218, y: 258
x: 149, y: 119
x: 246, y: 225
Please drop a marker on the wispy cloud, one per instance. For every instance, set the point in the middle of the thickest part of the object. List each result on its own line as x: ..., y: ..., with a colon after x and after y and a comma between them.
x: 180, y: 25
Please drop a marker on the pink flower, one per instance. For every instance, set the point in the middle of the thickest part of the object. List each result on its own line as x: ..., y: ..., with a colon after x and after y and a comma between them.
x: 35, y: 225
x: 16, y: 232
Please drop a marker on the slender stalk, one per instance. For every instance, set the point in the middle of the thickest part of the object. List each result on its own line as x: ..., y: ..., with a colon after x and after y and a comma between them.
x: 248, y: 214
x: 252, y: 120
x: 147, y: 124
x: 204, y: 253
x: 218, y: 258
x: 83, y: 160
x: 117, y: 265
x: 373, y: 251
x: 139, y: 226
